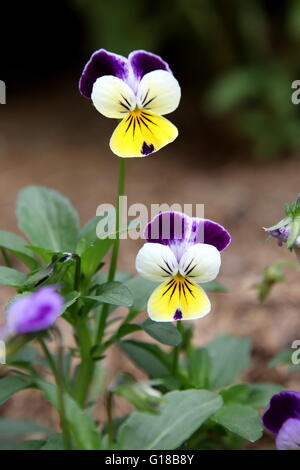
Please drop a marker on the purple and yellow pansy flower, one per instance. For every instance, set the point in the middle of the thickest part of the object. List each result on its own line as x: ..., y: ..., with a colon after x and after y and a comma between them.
x: 139, y: 90
x: 180, y: 252
x: 282, y: 418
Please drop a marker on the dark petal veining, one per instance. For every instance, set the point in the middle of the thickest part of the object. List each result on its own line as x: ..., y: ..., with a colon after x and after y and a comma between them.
x: 283, y: 405
x: 143, y: 62
x: 167, y: 228
x: 102, y: 63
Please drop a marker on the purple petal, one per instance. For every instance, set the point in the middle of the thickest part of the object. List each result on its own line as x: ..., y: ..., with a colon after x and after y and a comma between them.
x: 16, y: 313
x: 283, y: 405
x: 168, y: 228
x: 216, y: 235
x: 102, y: 63
x: 282, y: 235
x: 288, y: 437
x: 143, y: 62
x: 34, y: 312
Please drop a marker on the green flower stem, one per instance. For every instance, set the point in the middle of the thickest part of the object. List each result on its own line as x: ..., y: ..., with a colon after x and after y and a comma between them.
x: 77, y: 273
x: 176, y: 353
x: 86, y: 367
x: 57, y: 372
x: 49, y: 357
x: 109, y: 410
x: 114, y: 257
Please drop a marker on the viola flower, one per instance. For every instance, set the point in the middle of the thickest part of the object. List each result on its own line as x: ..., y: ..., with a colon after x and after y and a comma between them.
x: 180, y: 252
x: 139, y: 90
x: 282, y: 234
x: 282, y: 418
x: 34, y: 312
x: 287, y: 230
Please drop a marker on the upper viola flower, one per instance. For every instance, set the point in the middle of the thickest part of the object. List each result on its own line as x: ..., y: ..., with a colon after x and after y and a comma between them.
x: 181, y: 252
x: 35, y: 312
x: 282, y: 418
x: 139, y: 90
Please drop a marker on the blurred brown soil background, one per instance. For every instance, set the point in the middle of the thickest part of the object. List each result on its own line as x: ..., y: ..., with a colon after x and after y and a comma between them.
x: 58, y: 140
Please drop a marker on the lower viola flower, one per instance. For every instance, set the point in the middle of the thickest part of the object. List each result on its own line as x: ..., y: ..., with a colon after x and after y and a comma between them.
x: 34, y: 312
x: 282, y: 418
x: 181, y: 252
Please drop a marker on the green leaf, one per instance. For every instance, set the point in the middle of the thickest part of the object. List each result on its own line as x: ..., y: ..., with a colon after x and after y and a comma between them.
x: 214, y: 286
x: 19, y: 427
x: 88, y: 234
x: 149, y: 357
x: 91, y: 258
x: 165, y: 333
x: 261, y: 393
x: 25, y: 357
x: 294, y: 233
x: 182, y: 413
x: 140, y: 394
x: 9, y: 444
x: 47, y: 218
x: 242, y: 420
x: 12, y: 384
x: 280, y: 224
x: 54, y: 442
x: 70, y: 299
x: 12, y: 278
x: 282, y: 358
x: 229, y: 357
x: 17, y: 245
x: 93, y: 246
x: 33, y: 444
x: 45, y: 255
x: 256, y: 395
x: 81, y: 425
x: 120, y: 276
x: 199, y: 365
x: 238, y: 393
x: 113, y: 293
x: 127, y: 329
x: 234, y: 88
x: 141, y: 290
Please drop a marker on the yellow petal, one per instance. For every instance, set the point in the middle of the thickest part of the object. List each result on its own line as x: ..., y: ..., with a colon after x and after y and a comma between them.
x: 178, y: 298
x: 141, y: 133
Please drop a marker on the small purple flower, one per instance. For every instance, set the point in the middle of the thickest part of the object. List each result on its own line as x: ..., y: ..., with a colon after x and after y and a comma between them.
x: 282, y: 235
x: 34, y: 312
x: 282, y: 418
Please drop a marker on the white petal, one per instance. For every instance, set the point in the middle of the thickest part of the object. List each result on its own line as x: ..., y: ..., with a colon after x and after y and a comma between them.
x: 201, y: 262
x: 112, y: 97
x: 159, y: 92
x: 156, y: 262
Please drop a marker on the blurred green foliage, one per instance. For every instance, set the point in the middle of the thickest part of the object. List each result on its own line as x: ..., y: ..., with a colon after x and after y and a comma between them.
x: 239, y: 57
